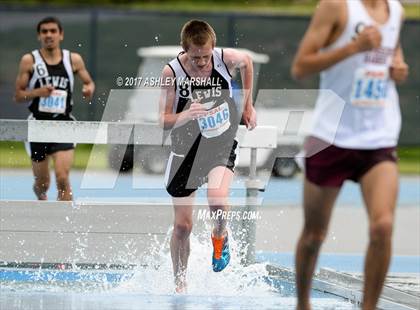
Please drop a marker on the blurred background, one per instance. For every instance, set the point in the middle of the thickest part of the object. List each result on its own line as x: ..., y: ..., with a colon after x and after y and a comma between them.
x: 108, y: 34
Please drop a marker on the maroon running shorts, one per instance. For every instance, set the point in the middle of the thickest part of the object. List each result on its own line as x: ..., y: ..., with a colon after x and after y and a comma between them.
x: 332, y: 165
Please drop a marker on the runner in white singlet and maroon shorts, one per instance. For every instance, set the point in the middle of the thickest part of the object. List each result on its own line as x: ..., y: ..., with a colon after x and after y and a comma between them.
x: 355, y: 46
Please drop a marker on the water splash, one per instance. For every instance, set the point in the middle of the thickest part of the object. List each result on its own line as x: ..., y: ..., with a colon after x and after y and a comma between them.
x: 151, y: 284
x: 157, y: 276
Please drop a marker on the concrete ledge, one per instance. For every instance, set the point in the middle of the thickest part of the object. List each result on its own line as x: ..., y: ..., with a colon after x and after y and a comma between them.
x: 350, y: 288
x: 355, y: 283
x: 90, y: 232
x: 101, y: 232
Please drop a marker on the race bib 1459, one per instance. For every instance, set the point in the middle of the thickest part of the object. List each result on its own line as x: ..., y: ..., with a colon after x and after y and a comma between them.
x: 369, y: 87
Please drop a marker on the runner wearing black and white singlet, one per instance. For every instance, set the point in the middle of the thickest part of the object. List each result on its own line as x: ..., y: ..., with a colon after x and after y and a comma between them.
x: 55, y: 107
x: 59, y: 104
x: 203, y: 118
x: 45, y: 81
x: 208, y: 141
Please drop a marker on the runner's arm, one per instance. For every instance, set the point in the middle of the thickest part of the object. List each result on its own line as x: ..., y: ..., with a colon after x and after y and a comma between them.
x: 234, y: 60
x: 167, y: 117
x: 399, y: 69
x: 22, y: 94
x: 309, y: 59
x: 80, y: 69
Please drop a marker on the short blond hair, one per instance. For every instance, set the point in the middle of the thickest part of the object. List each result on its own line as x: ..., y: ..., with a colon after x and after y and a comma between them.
x: 197, y: 32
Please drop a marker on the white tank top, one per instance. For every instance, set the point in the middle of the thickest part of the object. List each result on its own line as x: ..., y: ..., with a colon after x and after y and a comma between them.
x: 368, y: 116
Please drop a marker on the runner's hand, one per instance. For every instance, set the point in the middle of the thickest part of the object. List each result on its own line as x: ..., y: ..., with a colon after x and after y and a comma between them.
x: 399, y: 71
x: 44, y: 91
x: 87, y: 91
x: 370, y: 38
x: 250, y: 117
x: 196, y: 110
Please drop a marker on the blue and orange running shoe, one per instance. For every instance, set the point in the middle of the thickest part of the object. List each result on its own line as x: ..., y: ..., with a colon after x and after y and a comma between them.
x: 221, y: 255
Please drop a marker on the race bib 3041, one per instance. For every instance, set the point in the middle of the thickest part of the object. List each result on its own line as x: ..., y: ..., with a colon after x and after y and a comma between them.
x: 55, y: 103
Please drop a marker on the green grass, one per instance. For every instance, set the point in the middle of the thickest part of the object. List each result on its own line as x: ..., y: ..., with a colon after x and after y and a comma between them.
x: 298, y: 7
x: 266, y: 7
x: 248, y: 7
x: 13, y: 155
x: 409, y: 160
